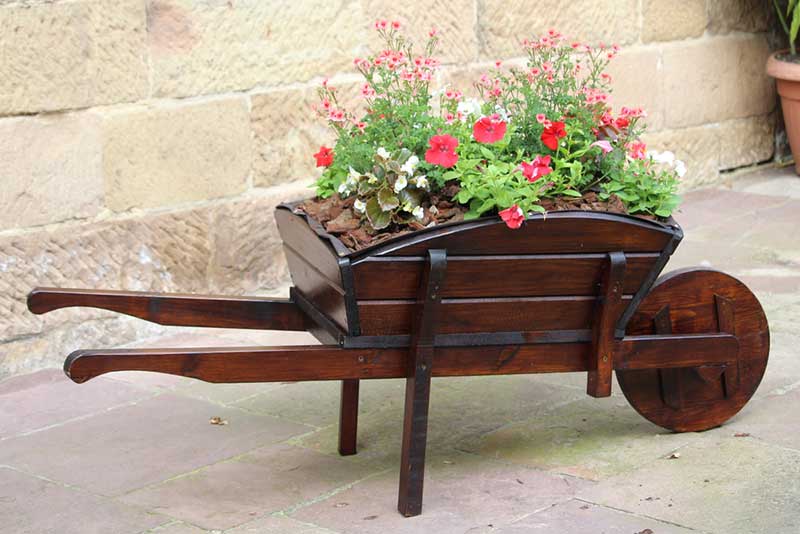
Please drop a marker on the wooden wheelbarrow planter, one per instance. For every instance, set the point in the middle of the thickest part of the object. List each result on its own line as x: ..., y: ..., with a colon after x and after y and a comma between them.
x: 569, y: 292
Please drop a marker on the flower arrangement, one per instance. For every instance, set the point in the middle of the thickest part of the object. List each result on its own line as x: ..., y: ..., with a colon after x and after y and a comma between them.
x: 536, y: 137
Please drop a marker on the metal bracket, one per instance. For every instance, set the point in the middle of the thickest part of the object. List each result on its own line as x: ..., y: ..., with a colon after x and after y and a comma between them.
x: 607, y: 312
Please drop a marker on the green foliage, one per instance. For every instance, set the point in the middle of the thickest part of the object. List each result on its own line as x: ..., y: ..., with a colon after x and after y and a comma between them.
x: 391, y: 192
x: 790, y: 21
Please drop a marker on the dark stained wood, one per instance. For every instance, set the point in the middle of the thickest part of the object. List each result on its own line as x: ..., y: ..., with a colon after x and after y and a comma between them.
x: 392, y: 317
x: 607, y: 311
x: 562, y: 232
x: 670, y: 378
x: 497, y: 276
x: 323, y: 362
x: 325, y: 295
x: 418, y: 384
x: 174, y: 309
x: 690, y: 294
x: 299, y: 236
x: 726, y: 318
x: 348, y: 417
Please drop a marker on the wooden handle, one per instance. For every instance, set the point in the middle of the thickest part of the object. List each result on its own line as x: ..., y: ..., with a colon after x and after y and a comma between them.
x: 173, y: 309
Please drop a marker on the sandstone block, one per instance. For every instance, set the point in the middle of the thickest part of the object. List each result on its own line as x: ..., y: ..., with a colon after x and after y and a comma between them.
x: 214, y: 47
x: 171, y: 154
x: 725, y: 16
x: 504, y: 23
x: 746, y: 141
x: 637, y: 81
x: 71, y: 54
x: 712, y: 80
x: 670, y: 21
x: 167, y: 252
x: 50, y: 169
x: 248, y: 251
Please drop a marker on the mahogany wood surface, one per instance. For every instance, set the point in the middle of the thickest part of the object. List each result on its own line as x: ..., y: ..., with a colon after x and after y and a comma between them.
x: 392, y: 317
x: 348, y: 417
x: 418, y: 384
x: 324, y: 362
x: 497, y: 276
x: 607, y: 312
x: 692, y: 296
x: 174, y: 309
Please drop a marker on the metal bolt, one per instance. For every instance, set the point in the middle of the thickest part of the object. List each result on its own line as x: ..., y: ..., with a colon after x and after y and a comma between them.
x: 605, y: 358
x: 361, y: 359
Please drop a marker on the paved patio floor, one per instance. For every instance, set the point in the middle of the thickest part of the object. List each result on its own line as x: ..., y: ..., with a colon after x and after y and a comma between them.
x: 134, y: 452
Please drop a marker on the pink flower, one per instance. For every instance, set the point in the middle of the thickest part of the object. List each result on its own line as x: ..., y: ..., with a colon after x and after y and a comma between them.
x: 605, y: 146
x: 361, y: 126
x: 395, y: 25
x: 541, y: 118
x: 433, y: 32
x: 324, y: 156
x: 489, y: 129
x: 442, y: 151
x: 636, y: 149
x: 539, y: 167
x: 367, y: 91
x: 513, y: 217
x: 336, y: 115
x: 381, y: 24
x: 552, y: 134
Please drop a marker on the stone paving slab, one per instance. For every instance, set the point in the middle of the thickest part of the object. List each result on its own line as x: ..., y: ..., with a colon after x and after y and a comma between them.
x: 719, y: 484
x: 130, y: 447
x: 462, y: 492
x: 262, y: 481
x: 279, y: 525
x: 579, y: 517
x: 48, y: 397
x: 591, y: 438
x: 30, y: 505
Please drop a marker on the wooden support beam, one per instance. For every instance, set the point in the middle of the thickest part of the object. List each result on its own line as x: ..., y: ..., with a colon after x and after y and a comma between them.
x: 348, y: 417
x: 726, y: 321
x: 606, y: 315
x: 670, y: 378
x: 177, y: 309
x: 418, y: 384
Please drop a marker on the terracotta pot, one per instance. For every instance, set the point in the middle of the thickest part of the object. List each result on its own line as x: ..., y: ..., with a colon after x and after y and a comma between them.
x: 787, y: 76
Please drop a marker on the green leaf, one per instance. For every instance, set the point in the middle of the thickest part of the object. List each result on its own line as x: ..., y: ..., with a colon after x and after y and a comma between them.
x: 663, y: 212
x: 451, y: 175
x: 795, y: 24
x: 488, y: 154
x: 387, y: 200
x: 411, y: 196
x: 378, y: 218
x: 572, y: 193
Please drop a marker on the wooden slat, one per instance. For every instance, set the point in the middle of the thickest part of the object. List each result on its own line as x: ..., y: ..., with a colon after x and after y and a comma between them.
x: 298, y: 235
x: 607, y: 312
x: 566, y: 232
x: 393, y: 317
x: 326, y: 295
x: 496, y: 276
x: 322, y: 362
x: 177, y: 309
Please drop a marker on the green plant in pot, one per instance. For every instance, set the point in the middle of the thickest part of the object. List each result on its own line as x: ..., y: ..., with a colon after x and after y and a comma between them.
x: 784, y: 66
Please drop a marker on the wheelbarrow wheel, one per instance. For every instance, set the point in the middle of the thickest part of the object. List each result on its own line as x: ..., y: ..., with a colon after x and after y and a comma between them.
x: 697, y: 301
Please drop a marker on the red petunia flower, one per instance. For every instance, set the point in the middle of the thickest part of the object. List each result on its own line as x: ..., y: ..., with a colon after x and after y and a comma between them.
x: 442, y: 151
x: 324, y: 156
x: 489, y: 129
x: 539, y: 167
x: 513, y: 217
x: 552, y: 134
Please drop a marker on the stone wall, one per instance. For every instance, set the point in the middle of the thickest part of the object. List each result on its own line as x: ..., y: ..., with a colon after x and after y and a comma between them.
x: 144, y: 144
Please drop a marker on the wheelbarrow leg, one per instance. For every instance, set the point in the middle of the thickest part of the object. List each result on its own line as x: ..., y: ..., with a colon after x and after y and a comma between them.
x: 348, y: 418
x: 418, y: 385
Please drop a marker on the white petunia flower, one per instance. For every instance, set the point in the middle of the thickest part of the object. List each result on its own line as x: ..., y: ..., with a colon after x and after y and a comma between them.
x: 418, y: 212
x: 354, y: 174
x: 469, y: 107
x: 359, y: 206
x: 680, y: 168
x: 422, y: 182
x: 382, y: 152
x: 343, y: 190
x: 410, y: 165
x: 400, y: 184
x: 434, y: 210
x: 372, y: 180
x: 665, y: 157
